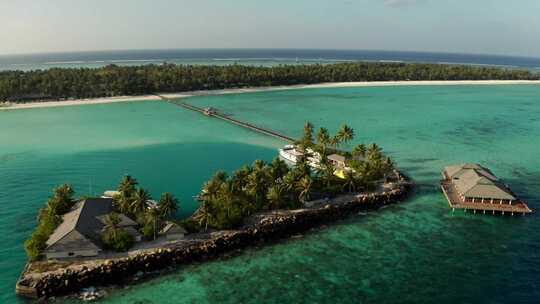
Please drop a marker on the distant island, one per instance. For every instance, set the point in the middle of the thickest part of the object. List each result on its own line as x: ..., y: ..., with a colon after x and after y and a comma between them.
x: 85, y: 242
x: 78, y: 83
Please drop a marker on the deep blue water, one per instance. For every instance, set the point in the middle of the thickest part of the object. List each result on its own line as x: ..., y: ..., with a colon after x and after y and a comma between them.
x: 266, y: 57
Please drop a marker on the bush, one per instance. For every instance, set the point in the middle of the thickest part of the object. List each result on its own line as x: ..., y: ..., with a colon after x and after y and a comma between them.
x: 38, y: 241
x: 190, y: 225
x: 120, y: 242
x: 148, y: 231
x: 49, y: 218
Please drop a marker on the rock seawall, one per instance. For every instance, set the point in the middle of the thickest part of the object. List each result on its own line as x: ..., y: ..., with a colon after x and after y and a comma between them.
x: 267, y: 228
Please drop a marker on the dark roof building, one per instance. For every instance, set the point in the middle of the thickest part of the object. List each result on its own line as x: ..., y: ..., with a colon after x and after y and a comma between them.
x: 80, y: 232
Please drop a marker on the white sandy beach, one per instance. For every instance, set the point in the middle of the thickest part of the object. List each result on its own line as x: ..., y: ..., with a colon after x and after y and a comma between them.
x: 74, y: 102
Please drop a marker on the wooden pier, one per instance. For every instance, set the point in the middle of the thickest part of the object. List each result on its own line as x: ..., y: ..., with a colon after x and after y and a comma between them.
x: 211, y: 112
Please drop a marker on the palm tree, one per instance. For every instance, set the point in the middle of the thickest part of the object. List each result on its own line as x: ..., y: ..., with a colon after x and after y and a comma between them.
x: 350, y: 181
x: 220, y: 176
x: 211, y: 188
x: 374, y: 152
x: 323, y: 162
x: 227, y: 195
x: 359, y: 151
x: 278, y: 169
x: 258, y: 165
x: 112, y: 226
x: 345, y: 134
x: 289, y: 181
x: 335, y: 141
x: 204, y: 214
x: 256, y: 185
x: 127, y: 186
x: 326, y: 172
x: 123, y: 203
x: 307, y: 138
x: 239, y: 179
x: 153, y: 217
x: 304, y: 186
x: 127, y: 189
x: 168, y: 205
x: 276, y: 195
x: 62, y: 200
x: 366, y: 173
x: 323, y: 139
x: 138, y: 201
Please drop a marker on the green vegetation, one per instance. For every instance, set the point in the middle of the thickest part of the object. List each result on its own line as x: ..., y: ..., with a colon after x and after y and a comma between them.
x: 226, y: 200
x: 60, y: 83
x: 134, y: 203
x: 114, y: 237
x: 49, y: 218
x: 131, y: 201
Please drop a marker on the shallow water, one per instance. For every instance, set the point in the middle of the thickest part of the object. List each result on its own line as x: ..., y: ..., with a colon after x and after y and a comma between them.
x: 418, y: 251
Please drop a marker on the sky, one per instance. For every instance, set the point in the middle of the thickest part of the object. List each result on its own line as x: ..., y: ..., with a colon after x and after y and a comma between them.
x: 500, y: 27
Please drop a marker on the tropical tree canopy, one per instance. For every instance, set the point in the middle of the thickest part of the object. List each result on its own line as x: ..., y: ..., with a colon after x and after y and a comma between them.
x: 112, y: 80
x: 168, y: 205
x: 139, y: 201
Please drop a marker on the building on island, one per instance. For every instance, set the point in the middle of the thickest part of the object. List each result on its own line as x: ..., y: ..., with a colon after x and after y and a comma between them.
x: 471, y: 186
x: 173, y: 231
x: 79, y: 234
x: 338, y: 161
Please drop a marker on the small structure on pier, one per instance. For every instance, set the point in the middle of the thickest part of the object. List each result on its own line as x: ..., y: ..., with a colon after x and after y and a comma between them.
x: 209, y: 111
x: 471, y: 186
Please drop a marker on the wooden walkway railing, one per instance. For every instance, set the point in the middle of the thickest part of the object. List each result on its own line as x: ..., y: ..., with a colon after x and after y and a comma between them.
x: 237, y: 122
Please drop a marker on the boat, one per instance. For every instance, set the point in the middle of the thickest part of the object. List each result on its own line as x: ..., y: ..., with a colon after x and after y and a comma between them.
x: 292, y: 154
x: 474, y: 187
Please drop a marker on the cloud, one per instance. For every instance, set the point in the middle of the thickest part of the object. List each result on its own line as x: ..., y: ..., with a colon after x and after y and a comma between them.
x: 400, y: 3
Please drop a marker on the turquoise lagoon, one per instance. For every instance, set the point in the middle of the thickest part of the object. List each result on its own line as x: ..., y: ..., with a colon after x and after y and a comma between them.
x: 418, y: 251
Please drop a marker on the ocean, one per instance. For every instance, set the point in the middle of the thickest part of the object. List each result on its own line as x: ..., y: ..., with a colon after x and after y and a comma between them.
x: 414, y: 252
x: 256, y: 57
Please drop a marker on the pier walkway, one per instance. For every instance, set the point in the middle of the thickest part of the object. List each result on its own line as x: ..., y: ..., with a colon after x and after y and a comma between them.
x: 211, y: 112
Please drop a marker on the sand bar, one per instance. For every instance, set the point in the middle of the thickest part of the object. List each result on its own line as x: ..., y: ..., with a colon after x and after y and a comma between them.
x: 60, y: 103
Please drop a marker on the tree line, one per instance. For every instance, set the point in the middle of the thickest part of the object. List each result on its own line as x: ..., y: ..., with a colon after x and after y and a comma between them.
x: 112, y: 80
x: 225, y: 201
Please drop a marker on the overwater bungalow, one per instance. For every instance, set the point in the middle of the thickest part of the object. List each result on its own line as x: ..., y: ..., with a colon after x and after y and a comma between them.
x: 473, y: 187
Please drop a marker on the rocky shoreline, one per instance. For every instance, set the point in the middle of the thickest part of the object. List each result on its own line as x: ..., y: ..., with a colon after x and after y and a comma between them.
x: 264, y: 228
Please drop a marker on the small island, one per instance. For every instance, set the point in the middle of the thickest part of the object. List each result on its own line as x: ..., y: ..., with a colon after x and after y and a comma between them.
x: 62, y: 84
x: 124, y: 235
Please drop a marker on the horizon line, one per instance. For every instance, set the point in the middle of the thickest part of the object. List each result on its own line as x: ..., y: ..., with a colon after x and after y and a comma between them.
x: 254, y: 49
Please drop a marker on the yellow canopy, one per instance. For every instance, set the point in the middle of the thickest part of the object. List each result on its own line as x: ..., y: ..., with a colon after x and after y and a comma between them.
x: 340, y: 173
